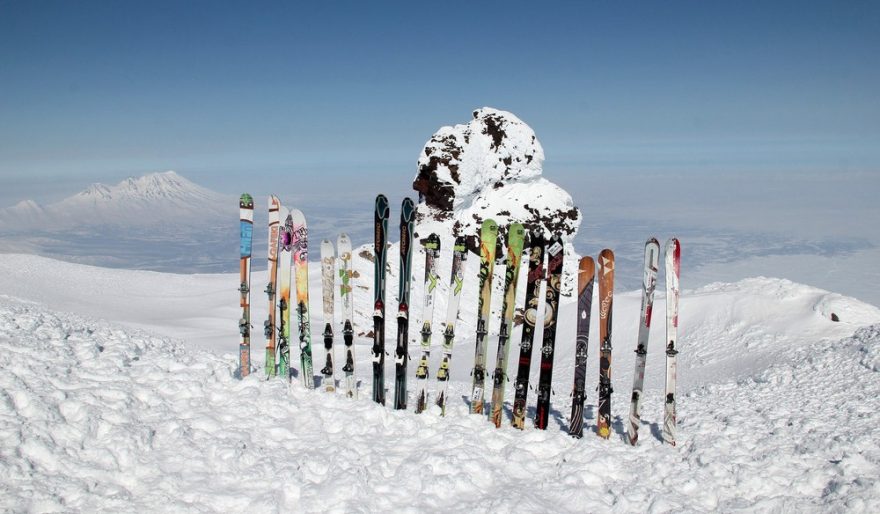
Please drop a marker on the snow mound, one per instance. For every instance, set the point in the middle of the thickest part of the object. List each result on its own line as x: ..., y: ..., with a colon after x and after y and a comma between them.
x: 868, y: 339
x: 96, y: 417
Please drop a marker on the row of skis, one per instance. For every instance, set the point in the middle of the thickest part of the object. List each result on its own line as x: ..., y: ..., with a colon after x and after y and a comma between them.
x: 288, y: 257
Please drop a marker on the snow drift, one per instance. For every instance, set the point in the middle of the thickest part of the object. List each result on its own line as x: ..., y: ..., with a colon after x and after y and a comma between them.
x: 108, y: 406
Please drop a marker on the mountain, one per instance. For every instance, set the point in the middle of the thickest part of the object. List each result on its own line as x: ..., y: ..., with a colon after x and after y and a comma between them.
x: 160, y: 221
x: 147, y: 201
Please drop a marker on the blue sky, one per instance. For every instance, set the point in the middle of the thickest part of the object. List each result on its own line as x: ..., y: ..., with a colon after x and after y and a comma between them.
x: 229, y: 93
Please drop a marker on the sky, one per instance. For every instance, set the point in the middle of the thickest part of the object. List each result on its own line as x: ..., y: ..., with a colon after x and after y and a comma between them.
x: 238, y: 93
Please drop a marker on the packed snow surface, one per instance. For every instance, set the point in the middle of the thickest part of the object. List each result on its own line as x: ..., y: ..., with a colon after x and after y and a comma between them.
x: 109, y: 402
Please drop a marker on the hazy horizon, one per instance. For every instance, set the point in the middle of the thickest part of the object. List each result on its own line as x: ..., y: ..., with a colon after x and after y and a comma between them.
x: 751, y: 130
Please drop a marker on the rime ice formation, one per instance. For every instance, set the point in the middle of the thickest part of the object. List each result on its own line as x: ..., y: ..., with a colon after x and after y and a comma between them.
x: 489, y: 167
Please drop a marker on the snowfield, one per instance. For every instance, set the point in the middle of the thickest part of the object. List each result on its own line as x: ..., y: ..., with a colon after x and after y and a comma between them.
x: 126, y: 401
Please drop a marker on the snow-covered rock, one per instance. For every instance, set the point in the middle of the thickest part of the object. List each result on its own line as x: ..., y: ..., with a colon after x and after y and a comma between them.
x: 489, y: 168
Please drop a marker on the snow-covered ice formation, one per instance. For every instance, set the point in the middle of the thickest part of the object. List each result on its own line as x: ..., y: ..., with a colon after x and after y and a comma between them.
x: 110, y: 403
x: 489, y: 167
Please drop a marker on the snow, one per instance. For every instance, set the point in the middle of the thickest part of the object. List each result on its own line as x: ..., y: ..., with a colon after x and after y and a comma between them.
x: 109, y: 402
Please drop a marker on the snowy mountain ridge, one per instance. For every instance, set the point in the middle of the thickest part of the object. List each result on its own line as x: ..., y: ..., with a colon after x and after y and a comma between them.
x: 147, y: 200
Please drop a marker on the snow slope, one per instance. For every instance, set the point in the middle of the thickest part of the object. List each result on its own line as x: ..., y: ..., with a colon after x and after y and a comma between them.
x: 109, y: 405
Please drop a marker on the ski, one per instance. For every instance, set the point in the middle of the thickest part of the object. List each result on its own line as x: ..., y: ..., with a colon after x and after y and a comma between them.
x: 555, y: 258
x: 246, y: 224
x: 515, y: 236
x: 328, y: 266
x: 401, y: 354
x: 343, y: 247
x: 488, y: 240
x: 673, y: 269
x: 606, y: 299
x: 271, y: 287
x: 586, y: 279
x: 380, y: 256
x: 459, y: 256
x: 649, y: 282
x: 432, y: 254
x: 300, y: 245
x: 285, y: 265
x: 530, y: 319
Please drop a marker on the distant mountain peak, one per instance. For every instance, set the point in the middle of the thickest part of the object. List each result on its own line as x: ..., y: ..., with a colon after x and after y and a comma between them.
x: 152, y: 199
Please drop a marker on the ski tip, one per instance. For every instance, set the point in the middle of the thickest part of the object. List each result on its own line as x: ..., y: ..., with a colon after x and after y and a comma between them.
x: 586, y: 271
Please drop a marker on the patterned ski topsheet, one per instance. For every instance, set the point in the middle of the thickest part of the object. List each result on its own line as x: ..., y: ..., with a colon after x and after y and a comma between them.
x: 456, y: 282
x: 606, y: 299
x: 246, y: 222
x: 515, y: 236
x: 380, y: 257
x: 586, y: 279
x: 270, y: 324
x: 555, y: 259
x: 328, y: 286
x: 343, y: 247
x: 536, y: 250
x: 488, y: 240
x: 649, y: 283
x: 673, y: 289
x: 401, y: 353
x: 300, y: 250
x: 285, y: 264
x: 432, y: 254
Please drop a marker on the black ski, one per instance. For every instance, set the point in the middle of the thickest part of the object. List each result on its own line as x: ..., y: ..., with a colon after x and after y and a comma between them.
x: 555, y: 256
x: 380, y: 255
x: 530, y: 320
x: 401, y: 356
x: 586, y: 279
